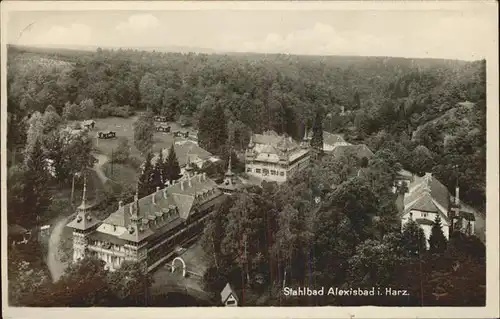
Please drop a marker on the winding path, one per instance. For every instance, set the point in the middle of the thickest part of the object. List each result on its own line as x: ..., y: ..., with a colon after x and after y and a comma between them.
x: 56, y: 266
x: 101, y: 160
x: 54, y: 263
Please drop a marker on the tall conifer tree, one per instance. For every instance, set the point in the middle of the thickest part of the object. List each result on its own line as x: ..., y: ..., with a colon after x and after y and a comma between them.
x: 36, y: 198
x: 317, y: 134
x: 413, y: 238
x: 158, y: 174
x: 145, y: 179
x: 437, y: 240
x: 172, y: 169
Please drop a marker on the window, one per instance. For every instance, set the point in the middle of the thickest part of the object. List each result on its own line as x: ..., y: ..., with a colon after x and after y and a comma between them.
x: 249, y: 169
x: 257, y: 170
x: 273, y: 172
x: 265, y: 172
x: 282, y: 173
x: 424, y: 214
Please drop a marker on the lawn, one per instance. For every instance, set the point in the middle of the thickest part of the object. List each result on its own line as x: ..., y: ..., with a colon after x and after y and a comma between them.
x: 124, y: 127
x: 122, y: 174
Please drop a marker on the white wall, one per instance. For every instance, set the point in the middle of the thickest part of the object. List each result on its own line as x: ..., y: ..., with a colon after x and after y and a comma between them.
x: 427, y: 228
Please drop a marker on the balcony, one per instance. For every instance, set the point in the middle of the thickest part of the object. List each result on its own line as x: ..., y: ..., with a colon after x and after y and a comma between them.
x: 109, y: 251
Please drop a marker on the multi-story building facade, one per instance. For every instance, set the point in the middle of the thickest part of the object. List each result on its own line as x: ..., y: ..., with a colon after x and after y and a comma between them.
x: 274, y: 157
x: 149, y: 228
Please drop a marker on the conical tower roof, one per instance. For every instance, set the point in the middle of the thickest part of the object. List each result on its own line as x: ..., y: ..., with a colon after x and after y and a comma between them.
x: 84, y: 219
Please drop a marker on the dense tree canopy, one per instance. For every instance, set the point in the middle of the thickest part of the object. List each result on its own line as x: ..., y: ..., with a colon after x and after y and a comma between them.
x: 334, y: 222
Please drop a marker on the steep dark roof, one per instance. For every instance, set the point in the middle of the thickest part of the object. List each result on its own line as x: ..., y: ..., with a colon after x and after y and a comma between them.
x: 171, y: 206
x: 268, y: 137
x: 425, y: 192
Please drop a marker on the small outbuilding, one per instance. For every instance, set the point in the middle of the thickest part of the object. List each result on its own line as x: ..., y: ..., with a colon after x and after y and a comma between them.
x: 228, y: 296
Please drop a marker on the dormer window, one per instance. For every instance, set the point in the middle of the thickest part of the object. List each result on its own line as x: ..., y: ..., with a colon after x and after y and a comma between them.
x: 411, y: 215
x: 78, y: 218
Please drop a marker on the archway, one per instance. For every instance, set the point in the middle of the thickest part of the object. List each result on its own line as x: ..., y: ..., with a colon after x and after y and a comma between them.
x: 183, y: 265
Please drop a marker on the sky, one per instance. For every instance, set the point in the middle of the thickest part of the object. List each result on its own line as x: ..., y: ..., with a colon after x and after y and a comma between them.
x: 452, y: 34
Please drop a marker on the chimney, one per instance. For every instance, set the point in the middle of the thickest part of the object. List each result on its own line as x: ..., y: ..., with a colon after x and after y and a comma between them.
x: 189, y: 181
x: 165, y: 193
x: 182, y: 185
x: 120, y: 204
x: 457, y: 195
x: 131, y: 209
x: 204, y: 176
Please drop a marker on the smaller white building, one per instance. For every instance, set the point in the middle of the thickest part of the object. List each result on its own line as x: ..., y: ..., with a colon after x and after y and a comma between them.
x: 427, y: 198
x: 228, y: 296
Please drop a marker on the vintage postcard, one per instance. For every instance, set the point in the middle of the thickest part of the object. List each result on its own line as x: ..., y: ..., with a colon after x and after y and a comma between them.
x: 250, y: 159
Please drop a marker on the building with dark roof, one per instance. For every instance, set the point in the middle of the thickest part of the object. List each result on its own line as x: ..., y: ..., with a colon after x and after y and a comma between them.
x: 188, y: 151
x: 427, y: 198
x: 274, y: 157
x: 149, y: 228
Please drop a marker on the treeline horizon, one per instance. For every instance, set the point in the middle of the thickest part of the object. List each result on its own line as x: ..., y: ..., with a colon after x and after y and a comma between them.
x: 406, y: 102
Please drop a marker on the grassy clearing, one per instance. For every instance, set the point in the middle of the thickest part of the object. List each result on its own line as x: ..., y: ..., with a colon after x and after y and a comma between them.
x: 122, y: 174
x: 124, y: 127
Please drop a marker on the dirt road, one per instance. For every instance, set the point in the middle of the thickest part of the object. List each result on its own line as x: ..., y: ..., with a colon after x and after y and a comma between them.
x: 56, y: 266
x: 101, y: 160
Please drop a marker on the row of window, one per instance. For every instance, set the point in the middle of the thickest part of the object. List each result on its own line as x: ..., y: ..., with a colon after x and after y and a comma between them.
x: 266, y: 171
x: 422, y: 214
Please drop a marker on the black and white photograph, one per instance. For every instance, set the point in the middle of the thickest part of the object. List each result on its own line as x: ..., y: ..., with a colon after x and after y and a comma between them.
x: 286, y: 155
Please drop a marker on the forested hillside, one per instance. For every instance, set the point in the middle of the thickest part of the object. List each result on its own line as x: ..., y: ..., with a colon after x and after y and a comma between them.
x: 393, y: 103
x: 335, y: 223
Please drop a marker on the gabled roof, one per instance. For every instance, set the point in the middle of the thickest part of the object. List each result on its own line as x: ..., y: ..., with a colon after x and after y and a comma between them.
x: 427, y: 194
x: 360, y: 150
x: 268, y: 137
x: 271, y: 147
x: 226, y: 292
x: 275, y: 140
x: 184, y: 150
